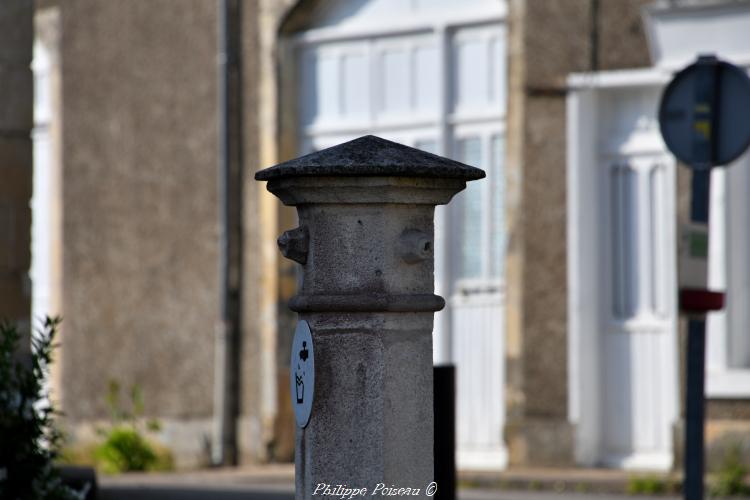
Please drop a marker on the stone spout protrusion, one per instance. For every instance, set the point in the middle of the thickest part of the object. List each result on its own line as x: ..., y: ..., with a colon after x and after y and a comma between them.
x: 367, y: 294
x: 294, y: 244
x: 415, y: 246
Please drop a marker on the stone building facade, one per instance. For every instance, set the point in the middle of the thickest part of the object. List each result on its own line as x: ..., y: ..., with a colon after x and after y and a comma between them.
x: 132, y: 119
x: 132, y: 147
x: 16, y: 121
x: 136, y: 192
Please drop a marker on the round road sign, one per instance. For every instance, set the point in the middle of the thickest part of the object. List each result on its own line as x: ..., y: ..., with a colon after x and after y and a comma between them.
x: 704, y: 113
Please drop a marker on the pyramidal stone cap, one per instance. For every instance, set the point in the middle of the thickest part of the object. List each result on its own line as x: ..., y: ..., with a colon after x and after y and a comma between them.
x: 371, y: 156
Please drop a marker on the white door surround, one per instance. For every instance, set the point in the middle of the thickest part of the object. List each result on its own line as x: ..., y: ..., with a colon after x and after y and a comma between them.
x: 622, y: 272
x: 621, y: 216
x: 598, y: 347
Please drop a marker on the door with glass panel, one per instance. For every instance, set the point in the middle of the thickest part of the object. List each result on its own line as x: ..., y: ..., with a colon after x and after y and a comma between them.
x: 638, y: 365
x: 477, y: 254
x: 434, y: 81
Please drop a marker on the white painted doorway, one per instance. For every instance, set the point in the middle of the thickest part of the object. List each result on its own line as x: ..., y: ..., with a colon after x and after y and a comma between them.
x: 621, y: 259
x: 430, y: 74
x: 477, y: 251
x: 622, y: 273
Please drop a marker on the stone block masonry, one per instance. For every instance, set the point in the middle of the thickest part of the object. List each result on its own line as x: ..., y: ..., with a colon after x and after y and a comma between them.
x: 367, y: 208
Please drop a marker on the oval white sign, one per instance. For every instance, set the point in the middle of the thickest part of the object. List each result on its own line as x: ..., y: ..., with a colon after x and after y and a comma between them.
x: 302, y: 373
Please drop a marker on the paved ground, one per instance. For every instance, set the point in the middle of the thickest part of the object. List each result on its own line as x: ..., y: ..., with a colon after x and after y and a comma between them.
x: 499, y: 495
x: 276, y: 482
x: 193, y: 492
x: 270, y: 492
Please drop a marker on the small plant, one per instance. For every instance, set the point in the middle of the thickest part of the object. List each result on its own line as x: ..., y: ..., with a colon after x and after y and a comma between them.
x: 125, y: 448
x: 648, y: 485
x: 730, y: 479
x: 29, y: 441
x: 582, y: 488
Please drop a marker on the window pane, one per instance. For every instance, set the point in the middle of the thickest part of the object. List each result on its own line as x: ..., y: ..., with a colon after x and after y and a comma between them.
x: 395, y: 80
x: 327, y: 80
x: 498, y: 76
x: 497, y: 188
x: 471, y: 73
x: 478, y: 67
x: 625, y: 239
x: 356, y: 88
x: 427, y: 78
x: 428, y: 145
x: 469, y: 220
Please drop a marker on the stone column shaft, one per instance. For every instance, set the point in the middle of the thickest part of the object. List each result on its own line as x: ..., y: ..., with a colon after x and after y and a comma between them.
x: 366, y: 244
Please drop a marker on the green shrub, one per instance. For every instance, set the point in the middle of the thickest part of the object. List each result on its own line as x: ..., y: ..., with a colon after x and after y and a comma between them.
x: 124, y: 447
x: 29, y: 441
x: 730, y: 479
x: 648, y: 485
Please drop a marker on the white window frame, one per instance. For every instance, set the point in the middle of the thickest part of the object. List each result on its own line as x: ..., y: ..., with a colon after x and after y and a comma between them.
x: 584, y: 302
x: 444, y: 126
x: 484, y: 131
x: 722, y: 380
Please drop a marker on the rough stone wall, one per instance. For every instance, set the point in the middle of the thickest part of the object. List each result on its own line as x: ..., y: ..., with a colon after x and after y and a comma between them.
x: 140, y: 224
x: 139, y: 199
x: 16, y: 121
x: 622, y: 39
x: 548, y: 40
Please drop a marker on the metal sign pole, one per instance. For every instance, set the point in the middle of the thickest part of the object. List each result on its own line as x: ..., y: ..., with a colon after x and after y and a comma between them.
x: 704, y: 157
x: 694, y: 408
x: 696, y: 359
x: 703, y: 121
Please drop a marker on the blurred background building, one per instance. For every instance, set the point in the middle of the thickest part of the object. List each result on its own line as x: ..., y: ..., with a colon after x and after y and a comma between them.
x: 558, y: 270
